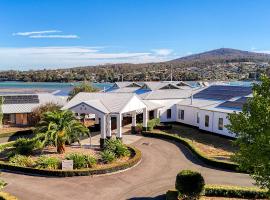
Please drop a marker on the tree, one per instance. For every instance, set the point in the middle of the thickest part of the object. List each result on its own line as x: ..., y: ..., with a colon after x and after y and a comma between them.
x: 83, y: 87
x: 58, y: 127
x: 252, y: 127
x: 1, y: 111
x: 40, y: 110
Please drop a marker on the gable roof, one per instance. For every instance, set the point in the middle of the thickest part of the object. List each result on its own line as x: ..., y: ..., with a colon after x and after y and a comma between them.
x: 105, y: 102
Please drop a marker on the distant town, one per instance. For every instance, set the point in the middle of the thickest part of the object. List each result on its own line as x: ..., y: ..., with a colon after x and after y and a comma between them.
x: 219, y: 64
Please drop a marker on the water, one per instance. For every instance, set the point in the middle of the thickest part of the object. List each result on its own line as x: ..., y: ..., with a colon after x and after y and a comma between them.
x: 63, y: 88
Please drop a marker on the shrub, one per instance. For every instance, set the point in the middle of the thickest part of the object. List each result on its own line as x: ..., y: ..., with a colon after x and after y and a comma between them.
x: 24, y: 146
x: 2, y: 184
x: 90, y: 160
x: 234, y: 192
x: 107, y: 156
x: 47, y: 162
x: 81, y: 160
x: 117, y: 147
x: 189, y: 183
x: 22, y: 161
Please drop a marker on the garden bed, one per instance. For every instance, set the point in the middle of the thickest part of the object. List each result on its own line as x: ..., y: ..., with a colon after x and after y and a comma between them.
x: 98, y: 166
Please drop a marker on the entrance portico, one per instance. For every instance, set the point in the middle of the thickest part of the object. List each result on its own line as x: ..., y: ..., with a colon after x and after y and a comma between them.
x: 108, y: 105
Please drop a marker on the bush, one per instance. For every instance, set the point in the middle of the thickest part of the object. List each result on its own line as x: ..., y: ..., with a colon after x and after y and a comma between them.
x: 117, y: 147
x: 47, y: 162
x: 189, y: 183
x: 24, y: 146
x: 107, y: 156
x: 81, y: 160
x: 7, y: 196
x: 22, y: 161
x: 234, y: 192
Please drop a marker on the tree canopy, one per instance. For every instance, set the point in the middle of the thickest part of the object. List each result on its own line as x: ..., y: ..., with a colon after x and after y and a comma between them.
x: 58, y: 127
x: 252, y: 127
x: 82, y: 87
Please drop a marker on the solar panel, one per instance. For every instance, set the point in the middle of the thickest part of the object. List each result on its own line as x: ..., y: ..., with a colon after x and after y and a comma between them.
x: 21, y: 99
x: 237, y: 104
x: 220, y: 92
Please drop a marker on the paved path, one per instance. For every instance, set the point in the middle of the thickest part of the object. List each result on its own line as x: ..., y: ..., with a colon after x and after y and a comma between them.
x: 149, y: 180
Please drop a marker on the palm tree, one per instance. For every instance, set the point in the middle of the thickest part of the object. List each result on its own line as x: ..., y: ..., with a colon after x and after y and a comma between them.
x: 58, y: 127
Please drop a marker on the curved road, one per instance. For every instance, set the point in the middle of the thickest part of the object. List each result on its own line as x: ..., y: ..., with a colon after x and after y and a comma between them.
x: 149, y: 180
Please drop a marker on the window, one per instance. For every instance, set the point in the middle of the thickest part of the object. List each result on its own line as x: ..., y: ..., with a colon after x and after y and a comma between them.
x: 181, y: 114
x: 206, y: 122
x: 198, y: 118
x: 220, y: 123
x: 169, y: 113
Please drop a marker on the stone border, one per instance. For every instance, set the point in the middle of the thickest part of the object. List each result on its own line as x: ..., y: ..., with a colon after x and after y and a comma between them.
x: 114, y: 167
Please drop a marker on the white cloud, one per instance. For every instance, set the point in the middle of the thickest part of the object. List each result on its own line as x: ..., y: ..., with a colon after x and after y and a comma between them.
x: 36, y: 32
x: 55, y: 36
x: 163, y: 52
x: 46, y: 34
x: 70, y: 56
x: 263, y: 51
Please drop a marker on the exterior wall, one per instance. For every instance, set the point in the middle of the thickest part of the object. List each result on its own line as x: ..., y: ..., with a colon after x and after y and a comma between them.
x: 168, y: 104
x: 202, y: 114
x: 190, y: 115
x: 226, y: 121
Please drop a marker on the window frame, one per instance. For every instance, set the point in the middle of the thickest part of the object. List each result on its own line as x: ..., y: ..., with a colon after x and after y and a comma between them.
x: 169, y: 113
x: 220, y: 123
x: 206, y: 122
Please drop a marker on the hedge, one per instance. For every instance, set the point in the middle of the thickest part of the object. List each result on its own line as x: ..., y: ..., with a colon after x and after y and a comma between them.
x: 135, y: 158
x: 7, y: 196
x: 225, y: 191
x: 235, y: 192
x: 209, y: 161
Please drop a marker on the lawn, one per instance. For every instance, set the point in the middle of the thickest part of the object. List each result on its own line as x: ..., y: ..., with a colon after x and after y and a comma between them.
x: 213, y: 146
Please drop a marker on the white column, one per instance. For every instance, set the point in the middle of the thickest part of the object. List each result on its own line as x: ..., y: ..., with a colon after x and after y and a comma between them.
x: 134, y: 118
x: 103, y: 126
x: 156, y: 113
x: 96, y: 119
x: 145, y: 117
x: 109, y: 126
x: 119, y: 126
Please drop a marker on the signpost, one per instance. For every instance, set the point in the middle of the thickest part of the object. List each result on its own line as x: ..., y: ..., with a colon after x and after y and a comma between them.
x: 67, y: 164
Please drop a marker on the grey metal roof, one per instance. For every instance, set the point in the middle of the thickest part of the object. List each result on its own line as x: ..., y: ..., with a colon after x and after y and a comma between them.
x: 105, y: 102
x: 166, y: 94
x: 125, y: 90
x: 28, y: 107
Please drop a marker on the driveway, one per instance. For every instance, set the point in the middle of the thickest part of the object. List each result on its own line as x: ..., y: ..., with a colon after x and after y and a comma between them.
x: 149, y: 180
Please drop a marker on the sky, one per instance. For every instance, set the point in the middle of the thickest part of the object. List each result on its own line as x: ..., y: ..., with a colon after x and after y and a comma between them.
x: 38, y: 34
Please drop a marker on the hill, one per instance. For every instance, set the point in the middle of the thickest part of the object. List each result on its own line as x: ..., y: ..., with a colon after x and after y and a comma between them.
x: 218, y: 64
x: 222, y: 54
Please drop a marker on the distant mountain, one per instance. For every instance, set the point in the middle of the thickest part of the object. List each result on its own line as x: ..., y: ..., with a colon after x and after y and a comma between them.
x: 223, y: 54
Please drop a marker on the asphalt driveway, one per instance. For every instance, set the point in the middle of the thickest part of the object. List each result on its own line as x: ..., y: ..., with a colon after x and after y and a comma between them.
x: 149, y: 180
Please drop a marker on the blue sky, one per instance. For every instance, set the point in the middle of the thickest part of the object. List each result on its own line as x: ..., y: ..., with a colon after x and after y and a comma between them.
x: 36, y: 34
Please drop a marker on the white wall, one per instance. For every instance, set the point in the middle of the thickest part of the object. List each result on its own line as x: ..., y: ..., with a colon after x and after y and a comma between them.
x: 226, y: 121
x: 168, y: 104
x: 190, y: 115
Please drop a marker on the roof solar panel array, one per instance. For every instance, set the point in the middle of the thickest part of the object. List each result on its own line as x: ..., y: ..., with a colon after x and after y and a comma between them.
x: 21, y: 99
x: 237, y: 104
x: 222, y: 92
